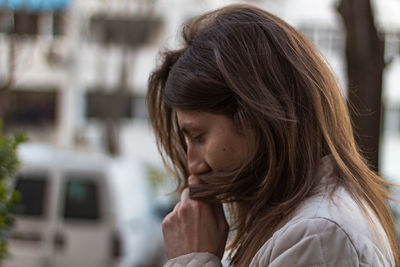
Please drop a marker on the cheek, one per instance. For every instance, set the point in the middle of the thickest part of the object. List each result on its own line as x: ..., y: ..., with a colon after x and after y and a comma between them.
x: 225, y: 156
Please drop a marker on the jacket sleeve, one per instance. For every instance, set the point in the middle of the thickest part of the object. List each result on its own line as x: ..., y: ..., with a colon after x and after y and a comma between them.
x: 309, y: 242
x: 195, y: 260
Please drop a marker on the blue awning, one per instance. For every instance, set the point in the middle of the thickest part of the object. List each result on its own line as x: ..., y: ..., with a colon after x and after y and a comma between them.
x: 35, y: 5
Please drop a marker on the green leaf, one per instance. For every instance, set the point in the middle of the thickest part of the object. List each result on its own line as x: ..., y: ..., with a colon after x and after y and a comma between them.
x: 8, y: 197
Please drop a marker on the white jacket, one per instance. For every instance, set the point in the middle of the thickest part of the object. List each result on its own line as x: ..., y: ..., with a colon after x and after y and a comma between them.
x: 322, y: 232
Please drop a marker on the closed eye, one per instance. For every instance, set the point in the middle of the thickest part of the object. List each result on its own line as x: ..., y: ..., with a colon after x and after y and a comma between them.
x: 193, y: 135
x: 197, y: 138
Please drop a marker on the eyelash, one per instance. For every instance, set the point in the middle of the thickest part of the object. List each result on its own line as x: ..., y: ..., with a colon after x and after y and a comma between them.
x: 196, y: 139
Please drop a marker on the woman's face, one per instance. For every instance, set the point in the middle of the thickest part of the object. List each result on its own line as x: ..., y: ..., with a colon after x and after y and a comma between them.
x: 214, y: 143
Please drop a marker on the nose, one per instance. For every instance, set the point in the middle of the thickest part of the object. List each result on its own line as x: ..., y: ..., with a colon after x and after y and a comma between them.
x: 196, y: 161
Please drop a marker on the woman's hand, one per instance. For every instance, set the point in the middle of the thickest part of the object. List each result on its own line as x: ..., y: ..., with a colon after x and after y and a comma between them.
x: 195, y: 226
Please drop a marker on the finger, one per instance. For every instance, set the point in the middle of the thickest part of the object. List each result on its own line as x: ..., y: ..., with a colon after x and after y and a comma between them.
x: 185, y: 195
x: 176, y: 207
x: 192, y: 180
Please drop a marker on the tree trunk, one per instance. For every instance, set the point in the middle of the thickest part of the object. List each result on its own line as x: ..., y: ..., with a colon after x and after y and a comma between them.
x: 365, y: 65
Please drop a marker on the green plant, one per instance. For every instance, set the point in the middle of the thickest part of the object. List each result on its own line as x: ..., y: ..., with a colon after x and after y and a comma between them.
x: 8, y: 197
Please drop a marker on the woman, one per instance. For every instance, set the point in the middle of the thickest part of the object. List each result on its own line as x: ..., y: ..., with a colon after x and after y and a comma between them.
x: 248, y: 114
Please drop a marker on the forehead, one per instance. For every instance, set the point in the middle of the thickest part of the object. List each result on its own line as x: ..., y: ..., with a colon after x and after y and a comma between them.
x: 190, y: 114
x: 192, y: 118
x: 196, y: 120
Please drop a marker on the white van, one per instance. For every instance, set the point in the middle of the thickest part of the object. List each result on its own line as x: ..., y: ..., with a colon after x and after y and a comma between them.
x: 84, y: 211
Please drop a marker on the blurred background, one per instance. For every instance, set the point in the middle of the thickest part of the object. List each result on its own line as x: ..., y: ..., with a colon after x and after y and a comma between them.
x: 73, y: 77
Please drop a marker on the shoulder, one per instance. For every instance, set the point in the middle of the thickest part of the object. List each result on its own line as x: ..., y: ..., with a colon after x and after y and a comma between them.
x: 326, y: 232
x: 306, y: 242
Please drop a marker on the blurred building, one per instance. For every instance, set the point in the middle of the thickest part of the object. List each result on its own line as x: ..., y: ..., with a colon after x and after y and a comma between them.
x: 77, y: 71
x: 79, y: 68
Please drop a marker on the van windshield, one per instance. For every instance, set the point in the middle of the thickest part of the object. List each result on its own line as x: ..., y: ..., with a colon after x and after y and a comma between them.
x: 31, y: 188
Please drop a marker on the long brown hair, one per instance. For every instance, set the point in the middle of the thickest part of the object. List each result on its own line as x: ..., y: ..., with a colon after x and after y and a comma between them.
x: 262, y: 73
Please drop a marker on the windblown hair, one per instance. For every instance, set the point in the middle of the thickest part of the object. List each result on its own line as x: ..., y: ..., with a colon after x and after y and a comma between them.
x: 251, y: 66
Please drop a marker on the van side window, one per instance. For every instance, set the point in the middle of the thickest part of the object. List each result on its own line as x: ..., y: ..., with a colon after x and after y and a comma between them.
x: 32, y: 188
x: 81, y: 199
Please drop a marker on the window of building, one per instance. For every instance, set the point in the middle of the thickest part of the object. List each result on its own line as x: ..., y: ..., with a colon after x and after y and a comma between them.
x: 22, y: 22
x: 31, y: 108
x: 392, y: 120
x: 100, y: 104
x: 139, y: 107
x: 6, y: 21
x: 26, y: 23
x: 331, y: 41
x: 59, y: 25
x: 130, y: 31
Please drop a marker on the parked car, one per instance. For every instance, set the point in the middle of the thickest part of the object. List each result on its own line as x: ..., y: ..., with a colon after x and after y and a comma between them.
x: 84, y: 211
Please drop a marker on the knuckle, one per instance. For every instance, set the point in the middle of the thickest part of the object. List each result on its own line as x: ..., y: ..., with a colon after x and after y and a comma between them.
x: 185, y: 207
x: 166, y: 222
x: 189, y: 209
x: 176, y: 207
x: 197, y: 205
